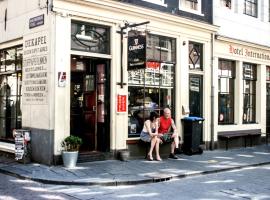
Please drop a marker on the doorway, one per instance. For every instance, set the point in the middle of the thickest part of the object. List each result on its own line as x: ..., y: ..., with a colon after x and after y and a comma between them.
x: 89, y: 102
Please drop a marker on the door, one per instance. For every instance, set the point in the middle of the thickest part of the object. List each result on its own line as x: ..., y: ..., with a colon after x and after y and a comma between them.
x: 267, y: 107
x: 195, y: 95
x: 89, y: 90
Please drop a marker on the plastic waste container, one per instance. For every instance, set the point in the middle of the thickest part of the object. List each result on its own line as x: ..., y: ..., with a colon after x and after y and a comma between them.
x: 192, y: 135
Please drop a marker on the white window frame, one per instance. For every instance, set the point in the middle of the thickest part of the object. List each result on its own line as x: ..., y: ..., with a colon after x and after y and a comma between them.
x: 183, y: 8
x: 158, y: 2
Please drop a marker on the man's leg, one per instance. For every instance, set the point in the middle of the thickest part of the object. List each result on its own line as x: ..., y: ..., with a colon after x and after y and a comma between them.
x: 174, y: 144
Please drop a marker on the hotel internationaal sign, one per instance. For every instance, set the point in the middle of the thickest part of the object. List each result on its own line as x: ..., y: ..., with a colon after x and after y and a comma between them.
x: 249, y: 53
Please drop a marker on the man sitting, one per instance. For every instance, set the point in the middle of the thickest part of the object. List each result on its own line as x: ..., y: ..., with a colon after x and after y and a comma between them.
x: 165, y: 125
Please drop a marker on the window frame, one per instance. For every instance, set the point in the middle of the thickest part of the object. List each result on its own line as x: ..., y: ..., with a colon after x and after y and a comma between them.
x: 191, y: 64
x: 229, y: 100
x: 226, y: 4
x: 250, y: 81
x: 197, y: 11
x: 157, y: 2
x: 253, y: 5
x: 10, y: 120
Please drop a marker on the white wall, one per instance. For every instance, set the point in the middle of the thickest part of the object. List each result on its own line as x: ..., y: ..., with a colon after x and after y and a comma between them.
x: 234, y: 24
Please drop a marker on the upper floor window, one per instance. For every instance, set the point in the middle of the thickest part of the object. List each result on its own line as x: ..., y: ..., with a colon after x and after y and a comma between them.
x: 195, y: 56
x: 226, y: 3
x: 158, y: 2
x: 251, y: 8
x: 190, y: 5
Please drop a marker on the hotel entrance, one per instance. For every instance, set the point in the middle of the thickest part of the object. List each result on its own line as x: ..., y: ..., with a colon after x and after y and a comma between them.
x: 89, y: 102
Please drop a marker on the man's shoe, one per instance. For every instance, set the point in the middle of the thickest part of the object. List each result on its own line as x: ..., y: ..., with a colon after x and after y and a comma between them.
x: 173, y: 156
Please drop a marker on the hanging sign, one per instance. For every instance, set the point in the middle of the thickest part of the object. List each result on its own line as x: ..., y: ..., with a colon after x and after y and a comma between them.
x: 136, y: 50
x: 121, y: 103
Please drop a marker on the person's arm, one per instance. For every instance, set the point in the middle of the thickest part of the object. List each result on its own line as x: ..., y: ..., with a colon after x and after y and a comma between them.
x: 173, y: 126
x: 148, y: 128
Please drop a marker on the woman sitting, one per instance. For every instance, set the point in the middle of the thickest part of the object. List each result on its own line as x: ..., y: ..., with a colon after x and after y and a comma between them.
x: 150, y: 134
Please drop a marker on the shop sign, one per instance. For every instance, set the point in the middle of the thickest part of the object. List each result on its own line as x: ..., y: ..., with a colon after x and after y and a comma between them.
x: 136, y: 50
x: 248, y: 53
x: 62, y: 77
x: 36, y: 21
x: 121, y: 103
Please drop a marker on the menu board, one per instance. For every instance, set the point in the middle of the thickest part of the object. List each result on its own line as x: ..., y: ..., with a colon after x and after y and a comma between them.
x: 19, y: 145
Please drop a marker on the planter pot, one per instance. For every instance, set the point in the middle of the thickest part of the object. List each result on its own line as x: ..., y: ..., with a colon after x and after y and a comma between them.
x: 123, y: 155
x: 70, y: 158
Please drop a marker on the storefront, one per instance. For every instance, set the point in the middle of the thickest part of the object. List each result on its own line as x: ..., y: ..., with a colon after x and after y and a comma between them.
x: 76, y: 80
x: 242, y: 75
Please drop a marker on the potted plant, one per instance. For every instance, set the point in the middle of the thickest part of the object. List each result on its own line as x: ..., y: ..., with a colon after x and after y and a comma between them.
x: 70, y: 145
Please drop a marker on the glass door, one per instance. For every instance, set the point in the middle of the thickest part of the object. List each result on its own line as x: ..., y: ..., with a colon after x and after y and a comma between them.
x: 195, y: 95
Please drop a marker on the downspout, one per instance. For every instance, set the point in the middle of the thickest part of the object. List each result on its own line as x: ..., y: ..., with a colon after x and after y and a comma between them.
x: 212, y: 144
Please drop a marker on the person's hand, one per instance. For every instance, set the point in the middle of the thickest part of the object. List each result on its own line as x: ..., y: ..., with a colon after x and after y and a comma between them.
x: 160, y: 135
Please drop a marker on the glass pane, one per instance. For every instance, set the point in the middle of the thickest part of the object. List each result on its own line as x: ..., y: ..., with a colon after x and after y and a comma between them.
x: 12, y: 84
x: 247, y: 88
x: 89, y: 37
x: 19, y: 58
x: 167, y: 75
x: 153, y: 48
x: 136, y: 77
x: 2, y: 61
x: 10, y: 60
x: 195, y: 56
x: 195, y: 96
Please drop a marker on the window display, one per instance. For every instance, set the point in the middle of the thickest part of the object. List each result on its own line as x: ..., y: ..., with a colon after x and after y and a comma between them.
x: 152, y: 88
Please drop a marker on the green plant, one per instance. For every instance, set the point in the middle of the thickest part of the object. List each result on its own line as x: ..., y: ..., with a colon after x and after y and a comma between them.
x: 71, y: 143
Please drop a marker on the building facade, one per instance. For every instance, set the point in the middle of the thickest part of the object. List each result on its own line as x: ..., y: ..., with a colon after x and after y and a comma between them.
x: 64, y: 70
x: 242, y: 59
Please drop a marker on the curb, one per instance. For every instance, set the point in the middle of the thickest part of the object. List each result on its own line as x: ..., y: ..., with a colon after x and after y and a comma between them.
x: 130, y: 182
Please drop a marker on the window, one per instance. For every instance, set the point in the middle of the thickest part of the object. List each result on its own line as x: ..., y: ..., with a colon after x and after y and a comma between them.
x: 89, y: 37
x: 10, y: 92
x: 250, y: 8
x: 158, y: 2
x: 190, y: 5
x: 195, y: 56
x: 267, y: 73
x: 152, y: 88
x: 269, y: 10
x: 226, y: 3
x: 226, y: 76
x: 249, y: 92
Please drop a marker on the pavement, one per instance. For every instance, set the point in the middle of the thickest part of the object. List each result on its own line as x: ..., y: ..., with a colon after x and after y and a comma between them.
x: 139, y: 171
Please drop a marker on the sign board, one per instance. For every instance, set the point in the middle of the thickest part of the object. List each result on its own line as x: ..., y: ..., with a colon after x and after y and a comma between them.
x: 62, y: 77
x: 35, y: 68
x: 36, y: 21
x: 136, y: 50
x: 121, y: 103
x: 19, y: 145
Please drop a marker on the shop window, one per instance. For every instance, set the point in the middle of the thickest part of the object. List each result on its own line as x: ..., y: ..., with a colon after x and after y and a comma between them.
x: 226, y: 76
x: 251, y: 8
x: 195, y: 56
x: 269, y: 10
x: 152, y: 88
x: 249, y: 92
x: 89, y: 37
x: 226, y: 3
x: 190, y: 5
x: 10, y: 92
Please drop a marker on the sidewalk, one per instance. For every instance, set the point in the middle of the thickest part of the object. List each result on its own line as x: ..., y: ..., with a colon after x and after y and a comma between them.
x: 114, y: 172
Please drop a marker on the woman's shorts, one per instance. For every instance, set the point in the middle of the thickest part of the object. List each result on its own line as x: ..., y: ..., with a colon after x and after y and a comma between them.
x: 145, y: 136
x: 167, y: 138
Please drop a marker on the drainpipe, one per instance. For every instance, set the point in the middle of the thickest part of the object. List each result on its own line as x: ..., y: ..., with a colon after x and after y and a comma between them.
x: 212, y: 144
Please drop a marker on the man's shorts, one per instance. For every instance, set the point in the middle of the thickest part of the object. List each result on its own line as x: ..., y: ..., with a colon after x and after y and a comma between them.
x: 167, y: 138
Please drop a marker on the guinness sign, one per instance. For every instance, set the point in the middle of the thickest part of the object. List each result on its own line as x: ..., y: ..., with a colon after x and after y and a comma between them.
x: 136, y: 50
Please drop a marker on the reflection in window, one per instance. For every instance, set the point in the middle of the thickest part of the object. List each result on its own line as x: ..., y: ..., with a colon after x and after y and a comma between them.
x: 190, y: 4
x: 249, y: 92
x: 250, y: 7
x: 10, y: 92
x: 89, y: 37
x: 195, y: 56
x: 151, y: 89
x: 226, y: 76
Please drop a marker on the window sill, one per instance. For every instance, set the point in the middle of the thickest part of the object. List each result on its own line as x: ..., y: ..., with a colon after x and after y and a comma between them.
x: 195, y: 12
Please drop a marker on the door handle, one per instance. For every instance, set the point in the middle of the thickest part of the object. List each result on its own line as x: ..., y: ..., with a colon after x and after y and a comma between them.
x: 94, y: 108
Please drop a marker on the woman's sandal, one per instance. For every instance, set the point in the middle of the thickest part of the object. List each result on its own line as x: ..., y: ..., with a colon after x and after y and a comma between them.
x: 158, y: 159
x: 149, y: 158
